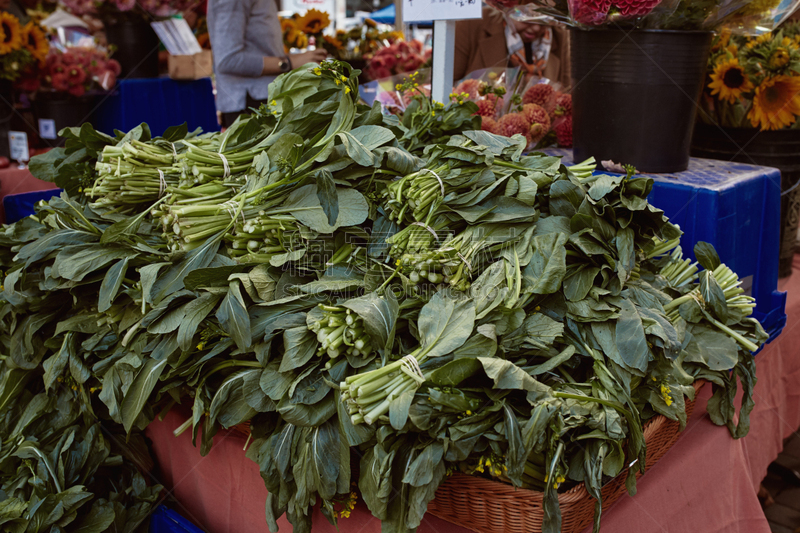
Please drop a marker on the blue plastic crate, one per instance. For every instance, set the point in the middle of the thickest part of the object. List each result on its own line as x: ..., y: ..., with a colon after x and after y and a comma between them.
x: 19, y: 206
x: 165, y: 520
x: 737, y: 208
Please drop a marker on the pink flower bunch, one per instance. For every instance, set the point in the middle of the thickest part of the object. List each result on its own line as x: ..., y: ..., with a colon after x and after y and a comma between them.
x: 596, y: 12
x: 398, y: 58
x: 544, y: 111
x: 78, y: 70
x: 158, y: 8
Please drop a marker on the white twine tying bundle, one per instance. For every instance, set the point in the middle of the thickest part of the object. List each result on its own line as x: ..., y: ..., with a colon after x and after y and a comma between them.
x: 162, y: 183
x: 430, y: 229
x: 174, y: 152
x: 441, y: 183
x: 464, y: 259
x: 231, y: 206
x: 411, y: 367
x: 225, y: 166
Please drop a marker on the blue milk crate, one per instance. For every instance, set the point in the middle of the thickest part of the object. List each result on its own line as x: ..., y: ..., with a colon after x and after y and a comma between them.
x: 737, y: 208
x: 19, y: 206
x: 165, y: 520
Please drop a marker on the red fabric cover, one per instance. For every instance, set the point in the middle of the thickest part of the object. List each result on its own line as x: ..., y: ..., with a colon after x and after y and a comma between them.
x: 707, y: 482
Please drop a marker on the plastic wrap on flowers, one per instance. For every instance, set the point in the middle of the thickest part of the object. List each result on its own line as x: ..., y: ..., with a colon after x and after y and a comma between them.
x: 395, y: 92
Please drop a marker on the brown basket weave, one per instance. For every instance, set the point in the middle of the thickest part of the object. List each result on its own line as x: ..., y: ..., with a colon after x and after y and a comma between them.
x: 489, y: 506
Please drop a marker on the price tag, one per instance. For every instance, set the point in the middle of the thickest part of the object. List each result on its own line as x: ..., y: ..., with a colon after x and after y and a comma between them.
x: 18, y: 146
x: 47, y: 128
x: 426, y: 10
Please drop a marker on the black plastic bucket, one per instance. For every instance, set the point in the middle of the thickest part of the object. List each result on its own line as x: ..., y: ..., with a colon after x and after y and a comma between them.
x: 6, y: 113
x: 635, y: 94
x: 778, y: 149
x: 65, y: 112
x: 137, y: 47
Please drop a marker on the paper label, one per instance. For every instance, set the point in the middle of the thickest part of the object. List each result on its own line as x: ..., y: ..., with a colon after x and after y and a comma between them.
x: 47, y: 128
x: 18, y: 144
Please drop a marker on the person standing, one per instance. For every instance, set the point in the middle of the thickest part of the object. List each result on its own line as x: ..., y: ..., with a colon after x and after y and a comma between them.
x: 497, y: 41
x: 248, y: 53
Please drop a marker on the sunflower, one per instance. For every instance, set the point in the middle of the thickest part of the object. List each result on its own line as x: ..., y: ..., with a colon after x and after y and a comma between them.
x: 729, y: 80
x: 296, y: 38
x: 779, y: 58
x: 287, y: 24
x: 34, y: 40
x: 333, y: 42
x: 313, y: 22
x: 776, y: 103
x: 10, y: 33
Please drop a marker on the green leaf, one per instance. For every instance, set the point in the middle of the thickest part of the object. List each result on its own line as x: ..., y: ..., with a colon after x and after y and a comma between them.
x: 706, y: 255
x: 713, y: 295
x: 356, y: 150
x: 324, y: 458
x: 445, y: 324
x: 379, y: 314
x: 228, y: 406
x: 631, y: 339
x: 327, y: 196
x: 398, y: 409
x: 139, y: 392
x: 173, y: 279
x: 217, y: 276
x: 548, y: 266
x: 176, y: 133
x: 299, y: 345
x: 454, y: 372
x: 111, y: 284
x: 507, y: 375
x: 196, y: 311
x: 233, y: 317
x: 304, y: 205
x: 712, y: 348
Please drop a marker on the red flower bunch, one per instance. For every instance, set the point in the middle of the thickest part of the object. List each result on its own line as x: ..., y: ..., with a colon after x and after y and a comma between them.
x: 596, y: 12
x: 398, y: 58
x: 541, y: 94
x: 74, y: 71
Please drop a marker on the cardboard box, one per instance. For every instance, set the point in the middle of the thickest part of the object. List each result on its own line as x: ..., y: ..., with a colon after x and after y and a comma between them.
x: 191, y: 67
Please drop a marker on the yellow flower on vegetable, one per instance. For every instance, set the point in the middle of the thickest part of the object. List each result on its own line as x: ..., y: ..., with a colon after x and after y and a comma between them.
x: 347, y: 90
x: 317, y: 71
x: 201, y: 345
x: 729, y: 80
x: 776, y: 103
x: 314, y: 21
x: 665, y: 390
x: 10, y: 33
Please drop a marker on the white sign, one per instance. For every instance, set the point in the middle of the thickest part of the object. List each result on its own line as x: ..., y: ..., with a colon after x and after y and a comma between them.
x: 18, y: 144
x: 425, y: 10
x: 177, y: 37
x: 47, y: 128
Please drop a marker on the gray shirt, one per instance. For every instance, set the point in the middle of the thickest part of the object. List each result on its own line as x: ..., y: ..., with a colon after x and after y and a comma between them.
x: 242, y: 33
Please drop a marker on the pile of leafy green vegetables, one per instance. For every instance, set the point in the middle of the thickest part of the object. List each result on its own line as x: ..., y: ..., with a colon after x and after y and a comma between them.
x: 408, y: 288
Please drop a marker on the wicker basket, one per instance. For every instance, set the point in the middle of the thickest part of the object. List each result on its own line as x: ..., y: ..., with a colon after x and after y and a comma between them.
x: 489, y: 506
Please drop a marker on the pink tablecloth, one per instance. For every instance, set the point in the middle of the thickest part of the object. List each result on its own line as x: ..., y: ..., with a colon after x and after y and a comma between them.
x: 707, y: 483
x: 14, y: 181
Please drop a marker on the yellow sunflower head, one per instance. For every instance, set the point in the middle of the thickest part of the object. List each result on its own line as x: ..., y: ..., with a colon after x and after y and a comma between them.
x: 729, y: 80
x: 313, y: 22
x: 333, y: 42
x: 35, y: 42
x: 286, y: 25
x: 300, y: 39
x: 776, y: 103
x: 779, y: 58
x: 371, y: 23
x: 722, y: 39
x: 10, y: 33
